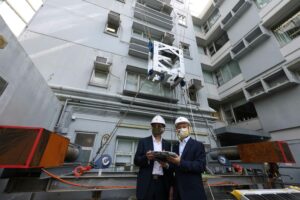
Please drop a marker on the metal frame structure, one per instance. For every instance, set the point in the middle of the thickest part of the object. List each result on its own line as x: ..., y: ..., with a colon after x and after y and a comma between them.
x: 166, y: 64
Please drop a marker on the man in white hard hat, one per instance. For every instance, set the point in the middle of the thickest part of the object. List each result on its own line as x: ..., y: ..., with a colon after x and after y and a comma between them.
x: 153, y: 181
x: 188, y: 165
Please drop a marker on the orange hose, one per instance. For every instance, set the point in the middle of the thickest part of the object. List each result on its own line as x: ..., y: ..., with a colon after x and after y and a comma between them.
x: 86, y: 186
x: 224, y: 183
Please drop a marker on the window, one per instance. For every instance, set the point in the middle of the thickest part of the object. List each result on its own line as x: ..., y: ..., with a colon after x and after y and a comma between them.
x: 113, y: 23
x: 208, y: 77
x: 182, y: 19
x: 149, y: 88
x: 227, y: 72
x: 86, y: 141
x: 3, y: 85
x: 124, y: 154
x: 239, y: 110
x: 100, y: 74
x: 244, y: 112
x: 192, y: 93
x: 194, y: 85
x: 217, y: 44
x: 145, y: 35
x: 211, y: 21
x: 186, y: 49
x: 288, y: 30
x: 262, y: 3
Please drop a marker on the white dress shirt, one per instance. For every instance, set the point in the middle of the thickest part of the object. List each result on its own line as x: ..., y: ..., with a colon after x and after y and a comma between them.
x: 182, y: 144
x: 157, y: 168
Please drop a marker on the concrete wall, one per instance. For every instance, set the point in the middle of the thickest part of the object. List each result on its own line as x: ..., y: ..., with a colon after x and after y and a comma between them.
x: 68, y: 35
x: 27, y: 99
x: 280, y: 111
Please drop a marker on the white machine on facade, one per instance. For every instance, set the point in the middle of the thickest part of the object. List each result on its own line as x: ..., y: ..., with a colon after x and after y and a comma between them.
x: 165, y: 64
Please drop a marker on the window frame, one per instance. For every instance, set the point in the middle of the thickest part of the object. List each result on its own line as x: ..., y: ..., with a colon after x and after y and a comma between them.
x: 92, y: 81
x: 182, y: 19
x: 134, y: 144
x: 182, y: 45
x: 173, y: 98
x: 276, y: 29
x: 91, y: 149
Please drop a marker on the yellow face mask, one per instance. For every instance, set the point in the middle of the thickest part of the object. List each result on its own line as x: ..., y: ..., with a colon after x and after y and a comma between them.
x: 183, y: 133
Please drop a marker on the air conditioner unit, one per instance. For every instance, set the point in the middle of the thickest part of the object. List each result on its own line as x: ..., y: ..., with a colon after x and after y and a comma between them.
x: 102, y: 62
x: 168, y: 38
x: 195, y: 84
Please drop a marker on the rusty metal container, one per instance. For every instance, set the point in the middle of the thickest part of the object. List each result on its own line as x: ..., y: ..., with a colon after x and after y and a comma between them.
x: 30, y: 147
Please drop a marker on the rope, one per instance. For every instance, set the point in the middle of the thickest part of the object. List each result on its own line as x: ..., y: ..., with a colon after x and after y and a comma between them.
x: 185, y: 102
x: 117, y: 125
x: 188, y: 95
x: 86, y: 186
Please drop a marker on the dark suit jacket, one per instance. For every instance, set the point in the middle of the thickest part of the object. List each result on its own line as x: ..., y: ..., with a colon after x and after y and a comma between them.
x: 188, y: 179
x: 145, y: 173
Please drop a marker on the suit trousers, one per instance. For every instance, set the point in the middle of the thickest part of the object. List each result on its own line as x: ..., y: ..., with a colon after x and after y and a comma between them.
x: 157, y: 190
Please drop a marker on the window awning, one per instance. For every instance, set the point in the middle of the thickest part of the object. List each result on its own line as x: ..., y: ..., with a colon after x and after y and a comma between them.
x: 113, y: 18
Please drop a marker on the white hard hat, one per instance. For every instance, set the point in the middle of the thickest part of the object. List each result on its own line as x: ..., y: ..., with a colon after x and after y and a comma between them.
x: 181, y: 120
x: 158, y: 120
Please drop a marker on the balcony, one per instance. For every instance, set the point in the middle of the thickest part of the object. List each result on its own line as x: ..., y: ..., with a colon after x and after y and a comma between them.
x: 152, y: 16
x: 159, y: 5
x: 139, y: 39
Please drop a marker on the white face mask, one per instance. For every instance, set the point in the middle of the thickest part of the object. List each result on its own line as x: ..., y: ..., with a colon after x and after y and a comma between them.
x: 183, y: 133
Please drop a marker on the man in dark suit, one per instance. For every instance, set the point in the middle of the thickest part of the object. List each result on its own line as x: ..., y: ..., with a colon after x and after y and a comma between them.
x: 189, y: 165
x: 153, y: 181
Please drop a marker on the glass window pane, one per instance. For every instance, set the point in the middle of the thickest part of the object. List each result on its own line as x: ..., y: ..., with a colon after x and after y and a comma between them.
x: 100, y: 76
x: 213, y: 18
x: 13, y: 21
x: 167, y: 91
x: 234, y: 68
x: 85, y: 140
x: 124, y: 146
x: 149, y: 87
x: 219, y: 78
x: 84, y: 156
x: 123, y: 159
x: 208, y: 78
x: 22, y: 8
x: 262, y: 3
x: 181, y: 19
x: 288, y: 30
x: 225, y: 73
x: 131, y: 82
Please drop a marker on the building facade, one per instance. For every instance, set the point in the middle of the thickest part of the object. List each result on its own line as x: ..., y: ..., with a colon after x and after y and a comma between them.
x: 249, y: 52
x: 94, y: 55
